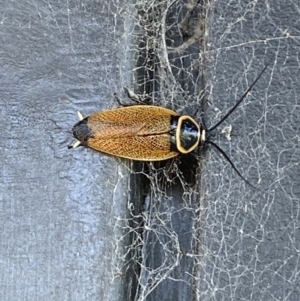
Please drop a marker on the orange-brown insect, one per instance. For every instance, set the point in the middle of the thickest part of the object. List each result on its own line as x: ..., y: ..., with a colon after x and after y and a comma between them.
x: 140, y: 132
x: 146, y: 133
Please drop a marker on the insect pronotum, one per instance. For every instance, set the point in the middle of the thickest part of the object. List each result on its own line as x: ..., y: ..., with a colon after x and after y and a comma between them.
x: 147, y: 132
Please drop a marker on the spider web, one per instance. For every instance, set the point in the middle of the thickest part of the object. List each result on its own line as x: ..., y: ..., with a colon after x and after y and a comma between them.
x: 80, y: 225
x: 217, y: 238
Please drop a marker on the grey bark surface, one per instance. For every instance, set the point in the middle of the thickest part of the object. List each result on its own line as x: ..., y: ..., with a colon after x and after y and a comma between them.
x: 73, y: 225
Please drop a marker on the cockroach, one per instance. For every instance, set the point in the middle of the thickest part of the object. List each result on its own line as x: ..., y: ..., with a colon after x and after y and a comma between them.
x: 147, y: 132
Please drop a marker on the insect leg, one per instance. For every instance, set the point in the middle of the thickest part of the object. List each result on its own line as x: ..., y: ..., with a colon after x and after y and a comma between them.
x: 130, y: 95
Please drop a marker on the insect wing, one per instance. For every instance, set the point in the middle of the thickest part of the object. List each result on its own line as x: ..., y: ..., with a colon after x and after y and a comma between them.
x: 137, y: 132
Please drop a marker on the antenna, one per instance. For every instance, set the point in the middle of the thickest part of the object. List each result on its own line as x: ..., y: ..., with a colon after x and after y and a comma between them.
x: 224, y: 118
x: 239, y: 101
x: 230, y: 162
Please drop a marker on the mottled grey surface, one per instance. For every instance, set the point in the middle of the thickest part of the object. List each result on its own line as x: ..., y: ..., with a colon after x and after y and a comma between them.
x: 252, y: 238
x: 64, y: 221
x: 58, y: 207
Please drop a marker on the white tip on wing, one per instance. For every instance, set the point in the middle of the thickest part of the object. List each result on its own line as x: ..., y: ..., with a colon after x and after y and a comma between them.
x: 80, y: 117
x: 75, y: 144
